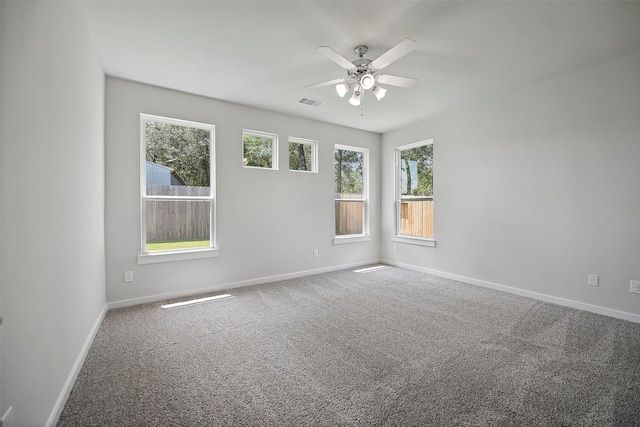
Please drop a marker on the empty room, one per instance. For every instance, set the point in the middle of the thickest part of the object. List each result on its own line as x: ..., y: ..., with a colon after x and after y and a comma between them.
x: 286, y: 213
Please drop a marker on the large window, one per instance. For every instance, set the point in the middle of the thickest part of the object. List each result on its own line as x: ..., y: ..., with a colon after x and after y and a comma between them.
x: 351, y: 191
x: 414, y: 189
x: 177, y: 191
x: 259, y: 149
x: 302, y: 155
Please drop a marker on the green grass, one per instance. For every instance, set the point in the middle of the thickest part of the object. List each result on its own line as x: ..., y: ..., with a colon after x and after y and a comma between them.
x: 179, y: 244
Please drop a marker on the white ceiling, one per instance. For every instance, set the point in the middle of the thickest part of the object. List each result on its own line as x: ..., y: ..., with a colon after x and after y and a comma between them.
x: 262, y: 53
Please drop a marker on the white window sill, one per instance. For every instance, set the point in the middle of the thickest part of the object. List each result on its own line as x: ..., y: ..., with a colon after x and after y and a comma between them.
x: 302, y: 171
x: 168, y: 256
x: 341, y: 240
x: 420, y: 241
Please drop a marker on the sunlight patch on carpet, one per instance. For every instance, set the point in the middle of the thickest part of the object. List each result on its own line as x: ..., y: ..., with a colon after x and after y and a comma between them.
x: 196, y: 301
x: 374, y: 268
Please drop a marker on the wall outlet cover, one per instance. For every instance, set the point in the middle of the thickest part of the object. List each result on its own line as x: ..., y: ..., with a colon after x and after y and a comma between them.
x: 635, y: 287
x: 593, y: 280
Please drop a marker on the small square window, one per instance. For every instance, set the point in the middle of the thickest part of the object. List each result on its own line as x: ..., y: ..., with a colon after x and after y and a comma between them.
x: 259, y: 150
x: 302, y: 155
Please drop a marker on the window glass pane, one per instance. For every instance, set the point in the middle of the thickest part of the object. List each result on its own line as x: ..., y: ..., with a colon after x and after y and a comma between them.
x: 177, y: 167
x: 348, y: 178
x: 257, y: 151
x: 177, y: 155
x: 416, y: 189
x: 349, y: 187
x: 349, y: 218
x: 416, y: 165
x: 416, y: 218
x: 300, y: 156
x: 177, y: 224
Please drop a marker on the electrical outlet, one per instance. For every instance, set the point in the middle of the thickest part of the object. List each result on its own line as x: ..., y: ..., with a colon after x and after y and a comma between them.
x: 635, y: 286
x: 315, y: 253
x: 395, y: 248
x: 593, y: 280
x: 128, y: 276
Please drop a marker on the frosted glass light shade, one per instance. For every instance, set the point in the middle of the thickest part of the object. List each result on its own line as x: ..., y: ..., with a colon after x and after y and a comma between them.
x: 355, y: 99
x: 342, y: 89
x: 379, y: 92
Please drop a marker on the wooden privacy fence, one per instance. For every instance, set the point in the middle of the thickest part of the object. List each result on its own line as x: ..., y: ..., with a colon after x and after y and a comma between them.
x: 171, y: 220
x: 349, y: 219
x: 416, y: 217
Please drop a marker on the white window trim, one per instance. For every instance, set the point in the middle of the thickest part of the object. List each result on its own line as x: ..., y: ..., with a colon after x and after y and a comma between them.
x: 351, y: 238
x: 420, y: 241
x: 183, y: 255
x: 274, y: 148
x: 314, y: 153
x: 179, y: 254
x: 365, y: 236
x: 397, y: 237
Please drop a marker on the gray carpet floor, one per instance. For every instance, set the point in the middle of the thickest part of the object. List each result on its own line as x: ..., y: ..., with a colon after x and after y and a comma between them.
x: 388, y: 347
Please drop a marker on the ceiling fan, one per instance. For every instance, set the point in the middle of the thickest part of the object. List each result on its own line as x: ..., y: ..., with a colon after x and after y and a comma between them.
x: 364, y: 74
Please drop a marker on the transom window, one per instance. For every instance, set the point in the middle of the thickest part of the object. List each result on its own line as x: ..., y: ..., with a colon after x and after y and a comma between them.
x: 259, y: 149
x: 351, y: 190
x: 414, y: 189
x: 177, y: 188
x: 302, y: 155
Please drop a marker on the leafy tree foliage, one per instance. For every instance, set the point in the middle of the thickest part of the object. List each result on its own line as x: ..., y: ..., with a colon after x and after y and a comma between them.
x: 258, y: 151
x: 300, y: 156
x: 184, y: 149
x: 417, y: 163
x: 348, y: 167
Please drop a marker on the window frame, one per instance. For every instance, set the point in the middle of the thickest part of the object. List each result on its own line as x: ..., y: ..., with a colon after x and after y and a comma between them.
x: 146, y: 257
x: 314, y: 153
x: 274, y: 148
x: 397, y: 237
x: 365, y: 236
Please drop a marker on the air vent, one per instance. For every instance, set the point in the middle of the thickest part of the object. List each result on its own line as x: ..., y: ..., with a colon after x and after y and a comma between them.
x: 310, y: 102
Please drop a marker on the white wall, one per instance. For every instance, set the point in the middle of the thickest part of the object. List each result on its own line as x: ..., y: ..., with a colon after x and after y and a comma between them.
x: 1, y: 413
x: 269, y: 222
x: 53, y: 275
x: 537, y: 189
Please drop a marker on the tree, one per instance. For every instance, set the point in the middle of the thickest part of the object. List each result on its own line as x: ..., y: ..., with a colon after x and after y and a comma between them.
x: 257, y: 151
x: 184, y: 149
x: 422, y: 158
x: 300, y: 156
x: 348, y: 172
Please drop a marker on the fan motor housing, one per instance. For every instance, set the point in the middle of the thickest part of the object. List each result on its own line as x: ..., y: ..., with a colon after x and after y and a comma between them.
x: 361, y: 68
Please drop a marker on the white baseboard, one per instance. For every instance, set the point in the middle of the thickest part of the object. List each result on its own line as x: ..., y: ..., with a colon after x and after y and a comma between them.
x: 535, y: 295
x: 233, y: 285
x: 75, y: 370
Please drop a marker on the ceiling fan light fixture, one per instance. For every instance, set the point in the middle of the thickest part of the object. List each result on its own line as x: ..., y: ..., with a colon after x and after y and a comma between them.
x: 342, y: 89
x: 355, y: 98
x: 379, y: 92
x: 367, y: 81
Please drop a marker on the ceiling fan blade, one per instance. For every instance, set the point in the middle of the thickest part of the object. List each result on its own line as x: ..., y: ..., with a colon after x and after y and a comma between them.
x: 405, y: 82
x: 335, y: 57
x: 395, y: 53
x: 323, y: 84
